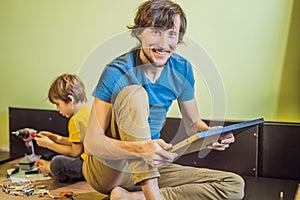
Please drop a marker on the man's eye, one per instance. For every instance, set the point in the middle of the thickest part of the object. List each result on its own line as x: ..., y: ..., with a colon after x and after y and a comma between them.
x: 156, y: 32
x: 173, y: 34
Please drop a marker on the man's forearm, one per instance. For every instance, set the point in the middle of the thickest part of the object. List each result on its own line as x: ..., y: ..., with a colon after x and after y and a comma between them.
x: 98, y: 144
x: 104, y: 147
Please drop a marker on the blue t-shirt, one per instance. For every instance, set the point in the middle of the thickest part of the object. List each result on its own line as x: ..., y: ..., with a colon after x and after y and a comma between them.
x: 175, y: 82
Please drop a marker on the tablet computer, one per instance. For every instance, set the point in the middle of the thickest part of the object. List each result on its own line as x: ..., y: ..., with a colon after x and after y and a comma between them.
x: 201, y: 140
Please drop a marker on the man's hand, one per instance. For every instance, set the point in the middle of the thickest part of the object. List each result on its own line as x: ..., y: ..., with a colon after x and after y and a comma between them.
x: 156, y: 154
x: 223, y: 142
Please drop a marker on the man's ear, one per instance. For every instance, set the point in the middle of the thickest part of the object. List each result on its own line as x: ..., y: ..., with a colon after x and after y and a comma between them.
x: 138, y: 33
x: 138, y: 36
x: 71, y: 99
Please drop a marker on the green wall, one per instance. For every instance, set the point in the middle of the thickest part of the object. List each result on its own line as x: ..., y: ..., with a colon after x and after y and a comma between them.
x: 249, y: 42
x: 289, y: 96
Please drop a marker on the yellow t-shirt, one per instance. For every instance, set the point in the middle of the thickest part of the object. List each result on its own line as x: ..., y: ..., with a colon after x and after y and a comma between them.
x: 77, y: 126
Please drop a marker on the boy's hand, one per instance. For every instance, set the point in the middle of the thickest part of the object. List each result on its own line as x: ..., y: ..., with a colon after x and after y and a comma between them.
x: 43, y: 141
x: 43, y: 166
x: 52, y: 136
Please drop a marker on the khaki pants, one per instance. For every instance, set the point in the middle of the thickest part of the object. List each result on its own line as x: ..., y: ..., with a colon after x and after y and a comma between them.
x: 130, y: 122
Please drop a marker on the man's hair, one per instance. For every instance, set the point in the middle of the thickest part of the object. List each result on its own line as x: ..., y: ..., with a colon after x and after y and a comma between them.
x: 65, y: 85
x: 158, y: 14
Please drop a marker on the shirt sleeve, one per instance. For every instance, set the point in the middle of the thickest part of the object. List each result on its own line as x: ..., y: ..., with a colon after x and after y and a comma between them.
x: 105, y: 84
x: 188, y: 91
x: 73, y: 131
x: 111, y: 82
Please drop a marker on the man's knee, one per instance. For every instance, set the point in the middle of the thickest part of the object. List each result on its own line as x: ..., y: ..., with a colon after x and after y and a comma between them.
x: 238, y: 186
x: 133, y: 96
x: 131, y: 113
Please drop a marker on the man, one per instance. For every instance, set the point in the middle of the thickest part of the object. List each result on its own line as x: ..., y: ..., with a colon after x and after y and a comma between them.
x: 126, y: 158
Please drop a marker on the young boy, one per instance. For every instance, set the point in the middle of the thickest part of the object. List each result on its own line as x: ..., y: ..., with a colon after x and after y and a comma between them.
x: 67, y: 92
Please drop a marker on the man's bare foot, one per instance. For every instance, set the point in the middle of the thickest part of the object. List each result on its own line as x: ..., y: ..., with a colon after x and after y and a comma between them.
x: 43, y: 166
x: 119, y: 193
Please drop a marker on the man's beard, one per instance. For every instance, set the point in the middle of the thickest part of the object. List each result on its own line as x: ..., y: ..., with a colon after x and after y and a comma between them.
x: 152, y: 61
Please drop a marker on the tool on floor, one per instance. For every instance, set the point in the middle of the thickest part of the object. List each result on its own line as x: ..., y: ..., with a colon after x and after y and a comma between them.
x: 27, y: 135
x: 26, y: 188
x: 68, y: 194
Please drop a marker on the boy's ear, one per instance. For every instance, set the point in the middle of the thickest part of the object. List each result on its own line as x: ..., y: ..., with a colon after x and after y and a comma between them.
x: 71, y: 98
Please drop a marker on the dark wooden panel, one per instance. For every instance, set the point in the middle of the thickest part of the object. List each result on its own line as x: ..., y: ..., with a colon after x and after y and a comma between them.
x: 276, y: 155
x: 241, y: 157
x: 48, y: 120
x: 280, y: 151
x: 258, y: 188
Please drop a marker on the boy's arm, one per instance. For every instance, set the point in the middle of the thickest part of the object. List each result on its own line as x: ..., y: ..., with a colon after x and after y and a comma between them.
x: 56, y: 138
x: 73, y: 150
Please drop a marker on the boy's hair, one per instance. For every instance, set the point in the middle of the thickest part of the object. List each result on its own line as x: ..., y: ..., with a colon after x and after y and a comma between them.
x: 158, y: 14
x: 65, y: 85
